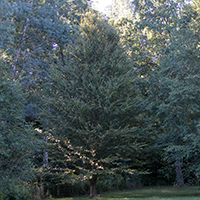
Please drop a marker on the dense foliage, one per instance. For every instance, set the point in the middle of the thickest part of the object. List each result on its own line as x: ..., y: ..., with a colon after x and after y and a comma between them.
x: 18, y: 143
x: 93, y: 103
x: 89, y: 102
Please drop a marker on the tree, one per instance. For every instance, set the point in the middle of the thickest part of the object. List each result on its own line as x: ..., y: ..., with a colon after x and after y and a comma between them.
x: 175, y: 91
x: 18, y: 142
x: 162, y: 33
x: 93, y: 104
x: 39, y: 27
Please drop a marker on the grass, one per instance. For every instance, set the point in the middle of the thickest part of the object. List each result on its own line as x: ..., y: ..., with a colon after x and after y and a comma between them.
x: 147, y: 193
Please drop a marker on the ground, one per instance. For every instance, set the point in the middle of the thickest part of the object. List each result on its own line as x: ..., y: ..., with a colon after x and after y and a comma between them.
x: 148, y: 193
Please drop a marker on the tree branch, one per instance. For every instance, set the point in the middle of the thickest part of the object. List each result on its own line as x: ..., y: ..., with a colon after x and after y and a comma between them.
x: 20, y: 46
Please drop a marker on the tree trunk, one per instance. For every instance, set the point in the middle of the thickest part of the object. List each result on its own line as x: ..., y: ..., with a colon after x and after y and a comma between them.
x: 45, y: 159
x: 179, y: 175
x: 58, y: 191
x: 20, y: 46
x: 42, y: 188
x: 93, y: 182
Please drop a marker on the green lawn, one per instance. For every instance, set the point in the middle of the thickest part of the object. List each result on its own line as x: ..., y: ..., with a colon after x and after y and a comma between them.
x: 148, y: 193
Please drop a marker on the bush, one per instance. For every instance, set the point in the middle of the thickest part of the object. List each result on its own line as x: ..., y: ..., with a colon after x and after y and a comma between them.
x: 14, y: 190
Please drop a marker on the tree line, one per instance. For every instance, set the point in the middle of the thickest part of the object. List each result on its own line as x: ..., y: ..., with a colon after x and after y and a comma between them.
x: 91, y: 103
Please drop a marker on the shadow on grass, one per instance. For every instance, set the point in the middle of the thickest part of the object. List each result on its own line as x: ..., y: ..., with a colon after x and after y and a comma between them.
x: 148, y: 193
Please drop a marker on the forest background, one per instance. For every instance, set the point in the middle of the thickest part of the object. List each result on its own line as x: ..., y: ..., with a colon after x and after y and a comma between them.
x: 92, y: 102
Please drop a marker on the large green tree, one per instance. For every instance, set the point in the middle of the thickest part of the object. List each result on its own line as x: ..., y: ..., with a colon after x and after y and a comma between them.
x: 92, y: 104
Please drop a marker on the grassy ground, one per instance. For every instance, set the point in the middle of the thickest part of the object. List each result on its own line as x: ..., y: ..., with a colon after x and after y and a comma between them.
x: 148, y: 193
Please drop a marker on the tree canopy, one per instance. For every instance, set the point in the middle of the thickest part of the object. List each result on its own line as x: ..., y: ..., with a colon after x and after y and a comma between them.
x: 92, y: 102
x: 86, y: 99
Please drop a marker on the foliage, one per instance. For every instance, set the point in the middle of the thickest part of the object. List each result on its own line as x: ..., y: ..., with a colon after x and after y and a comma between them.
x: 111, y: 97
x: 120, y: 9
x: 18, y: 142
x: 165, y: 37
x: 175, y: 93
x: 93, y: 103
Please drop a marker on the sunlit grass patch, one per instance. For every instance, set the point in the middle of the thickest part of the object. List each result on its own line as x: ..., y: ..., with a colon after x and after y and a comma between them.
x: 155, y: 192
